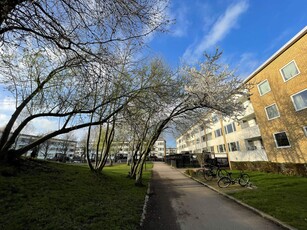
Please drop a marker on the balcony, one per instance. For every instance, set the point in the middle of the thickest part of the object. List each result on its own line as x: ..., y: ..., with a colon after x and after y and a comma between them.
x: 250, y: 155
x: 250, y: 132
x: 248, y: 111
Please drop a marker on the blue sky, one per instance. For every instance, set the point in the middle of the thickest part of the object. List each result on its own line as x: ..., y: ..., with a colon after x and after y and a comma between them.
x: 247, y: 31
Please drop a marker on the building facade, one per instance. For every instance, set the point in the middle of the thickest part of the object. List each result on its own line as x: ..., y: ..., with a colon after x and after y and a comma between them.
x: 170, y: 151
x: 238, y: 140
x: 274, y: 124
x: 159, y: 149
x: 279, y: 97
x: 50, y: 148
x: 123, y: 150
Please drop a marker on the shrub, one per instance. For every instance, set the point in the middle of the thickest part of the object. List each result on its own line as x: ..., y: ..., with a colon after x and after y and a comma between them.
x: 272, y: 167
x: 190, y: 172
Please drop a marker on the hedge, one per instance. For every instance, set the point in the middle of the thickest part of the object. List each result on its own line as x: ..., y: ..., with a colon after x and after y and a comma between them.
x: 272, y: 167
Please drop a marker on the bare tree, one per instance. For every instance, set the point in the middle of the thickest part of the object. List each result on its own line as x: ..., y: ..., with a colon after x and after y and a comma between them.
x: 189, y: 94
x: 58, y: 55
x: 45, y: 148
x: 80, y: 25
x: 66, y: 142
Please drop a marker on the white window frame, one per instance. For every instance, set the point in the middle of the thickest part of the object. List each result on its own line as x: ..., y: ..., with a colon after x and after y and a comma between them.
x: 281, y: 147
x: 237, y: 145
x: 294, y: 102
x: 258, y: 86
x: 305, y: 130
x: 267, y: 115
x: 223, y: 147
x: 280, y: 70
x: 220, y: 132
x: 233, y: 126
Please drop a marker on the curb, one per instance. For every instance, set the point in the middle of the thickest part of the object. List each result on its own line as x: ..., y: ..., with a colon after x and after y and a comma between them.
x: 145, y: 205
x: 262, y: 214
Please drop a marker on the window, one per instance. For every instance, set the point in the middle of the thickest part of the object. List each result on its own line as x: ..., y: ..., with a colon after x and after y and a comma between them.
x: 305, y: 130
x: 300, y: 100
x: 221, y: 148
x: 281, y: 140
x: 289, y: 71
x: 230, y: 128
x: 234, y: 146
x: 272, y: 111
x: 264, y: 87
x: 218, y: 132
x: 250, y: 145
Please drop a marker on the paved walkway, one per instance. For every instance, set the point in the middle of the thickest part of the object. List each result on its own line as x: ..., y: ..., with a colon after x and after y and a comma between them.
x: 177, y: 202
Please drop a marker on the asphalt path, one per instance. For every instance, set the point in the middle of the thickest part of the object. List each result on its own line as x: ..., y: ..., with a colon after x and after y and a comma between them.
x: 177, y: 202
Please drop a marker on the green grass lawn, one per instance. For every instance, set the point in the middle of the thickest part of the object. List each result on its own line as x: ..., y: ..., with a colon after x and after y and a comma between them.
x: 283, y: 197
x: 60, y: 196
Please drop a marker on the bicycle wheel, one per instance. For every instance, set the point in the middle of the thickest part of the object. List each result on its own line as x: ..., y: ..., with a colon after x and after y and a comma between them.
x: 222, y: 173
x: 244, y: 179
x: 224, y: 182
x: 208, y: 175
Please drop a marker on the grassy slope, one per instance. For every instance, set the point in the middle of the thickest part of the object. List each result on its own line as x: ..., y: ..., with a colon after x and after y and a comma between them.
x: 59, y: 196
x: 283, y: 197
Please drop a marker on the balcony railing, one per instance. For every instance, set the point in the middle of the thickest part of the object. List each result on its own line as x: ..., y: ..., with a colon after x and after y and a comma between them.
x: 250, y: 132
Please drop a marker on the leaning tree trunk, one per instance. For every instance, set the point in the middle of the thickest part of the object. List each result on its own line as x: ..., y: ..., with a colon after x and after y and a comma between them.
x: 139, y: 175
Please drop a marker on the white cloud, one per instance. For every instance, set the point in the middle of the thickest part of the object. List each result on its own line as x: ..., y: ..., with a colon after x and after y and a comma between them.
x: 7, y: 104
x: 3, y: 120
x: 219, y: 30
x: 180, y: 28
x: 248, y: 63
x: 44, y: 125
x: 7, y: 107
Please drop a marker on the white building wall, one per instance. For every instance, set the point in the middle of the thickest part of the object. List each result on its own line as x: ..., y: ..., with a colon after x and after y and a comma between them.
x: 246, y: 133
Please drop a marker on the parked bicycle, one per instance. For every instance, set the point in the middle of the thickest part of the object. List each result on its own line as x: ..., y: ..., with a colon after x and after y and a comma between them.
x: 225, y: 181
x: 211, y: 171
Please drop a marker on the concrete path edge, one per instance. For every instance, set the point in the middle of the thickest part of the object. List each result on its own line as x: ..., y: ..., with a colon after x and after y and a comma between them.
x: 145, y: 204
x: 264, y: 215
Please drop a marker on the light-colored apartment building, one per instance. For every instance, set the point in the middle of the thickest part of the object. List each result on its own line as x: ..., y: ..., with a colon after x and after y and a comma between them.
x: 124, y: 149
x: 239, y: 140
x: 170, y: 151
x: 274, y: 124
x: 279, y: 97
x: 48, y: 149
x: 159, y: 149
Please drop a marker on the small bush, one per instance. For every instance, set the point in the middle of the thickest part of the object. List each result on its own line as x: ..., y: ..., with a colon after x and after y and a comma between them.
x: 190, y: 172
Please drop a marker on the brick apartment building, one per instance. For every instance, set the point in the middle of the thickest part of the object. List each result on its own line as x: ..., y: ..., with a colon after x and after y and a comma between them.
x: 274, y: 125
x: 279, y: 98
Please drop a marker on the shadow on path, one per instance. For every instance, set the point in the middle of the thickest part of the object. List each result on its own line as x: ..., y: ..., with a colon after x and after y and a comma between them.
x: 177, y: 202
